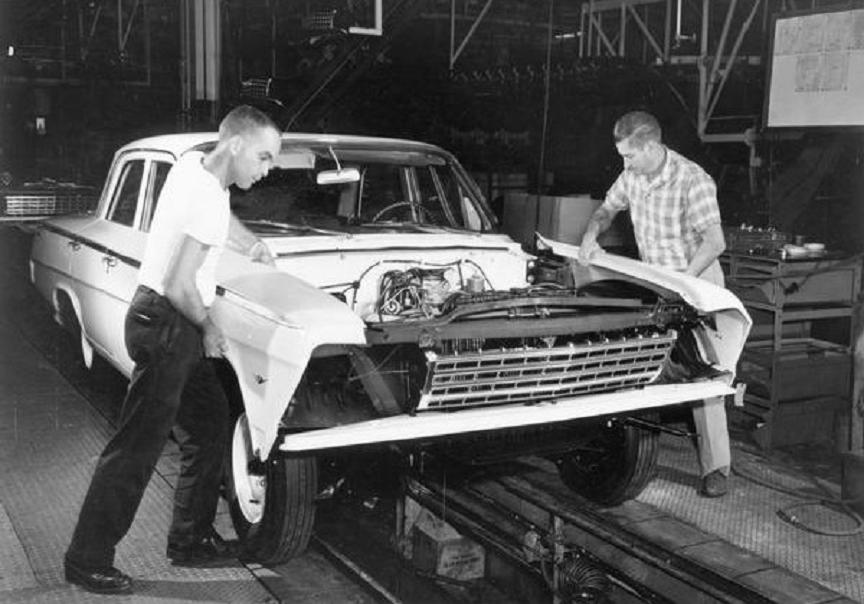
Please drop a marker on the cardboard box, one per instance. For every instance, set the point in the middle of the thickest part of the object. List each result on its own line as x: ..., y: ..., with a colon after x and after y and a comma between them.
x: 561, y: 218
x: 439, y: 549
x: 520, y: 217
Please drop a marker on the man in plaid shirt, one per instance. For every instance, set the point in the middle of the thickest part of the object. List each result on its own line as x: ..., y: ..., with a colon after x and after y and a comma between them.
x: 676, y: 221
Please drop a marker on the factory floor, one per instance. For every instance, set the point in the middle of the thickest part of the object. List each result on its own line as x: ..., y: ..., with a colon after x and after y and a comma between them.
x: 50, y: 437
x: 779, y: 508
x: 51, y: 434
x: 55, y: 418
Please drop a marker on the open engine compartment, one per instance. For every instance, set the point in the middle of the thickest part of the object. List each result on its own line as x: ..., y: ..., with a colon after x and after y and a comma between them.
x: 442, y: 348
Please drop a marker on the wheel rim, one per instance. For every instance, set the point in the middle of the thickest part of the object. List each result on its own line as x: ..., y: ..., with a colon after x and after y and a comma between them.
x: 250, y: 489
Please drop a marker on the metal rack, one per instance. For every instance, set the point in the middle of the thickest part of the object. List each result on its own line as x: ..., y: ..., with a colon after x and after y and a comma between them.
x: 797, y: 363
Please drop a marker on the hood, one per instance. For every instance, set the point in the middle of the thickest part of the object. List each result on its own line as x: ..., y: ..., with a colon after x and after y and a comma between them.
x: 723, y: 341
x: 427, y: 239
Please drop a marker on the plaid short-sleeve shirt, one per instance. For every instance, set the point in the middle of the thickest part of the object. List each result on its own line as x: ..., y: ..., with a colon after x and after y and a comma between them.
x: 670, y: 212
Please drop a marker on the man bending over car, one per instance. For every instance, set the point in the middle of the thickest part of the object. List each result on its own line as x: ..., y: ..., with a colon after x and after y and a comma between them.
x: 172, y: 340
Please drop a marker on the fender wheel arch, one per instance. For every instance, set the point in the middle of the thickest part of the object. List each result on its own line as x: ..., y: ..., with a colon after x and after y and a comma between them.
x: 67, y: 316
x: 65, y: 312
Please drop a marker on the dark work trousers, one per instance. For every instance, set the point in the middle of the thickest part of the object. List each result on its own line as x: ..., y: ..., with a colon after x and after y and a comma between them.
x: 172, y: 386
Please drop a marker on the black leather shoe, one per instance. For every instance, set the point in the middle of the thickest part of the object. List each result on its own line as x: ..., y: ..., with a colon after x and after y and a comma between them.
x: 99, y: 581
x: 211, y: 550
x: 714, y: 484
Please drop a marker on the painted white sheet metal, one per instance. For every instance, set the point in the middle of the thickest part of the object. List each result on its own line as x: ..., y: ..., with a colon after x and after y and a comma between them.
x: 723, y: 345
x: 697, y: 292
x: 273, y: 321
x: 432, y: 423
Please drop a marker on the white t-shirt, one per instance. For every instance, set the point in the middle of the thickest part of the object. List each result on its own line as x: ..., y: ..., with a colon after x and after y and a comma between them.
x: 192, y: 203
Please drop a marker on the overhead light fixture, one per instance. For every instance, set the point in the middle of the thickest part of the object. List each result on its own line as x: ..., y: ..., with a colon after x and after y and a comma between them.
x: 10, y: 51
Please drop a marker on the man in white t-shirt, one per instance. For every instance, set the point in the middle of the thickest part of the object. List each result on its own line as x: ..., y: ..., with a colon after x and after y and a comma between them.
x: 172, y: 339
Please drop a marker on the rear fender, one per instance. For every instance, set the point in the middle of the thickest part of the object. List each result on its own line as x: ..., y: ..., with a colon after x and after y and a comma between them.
x: 61, y: 291
x: 273, y: 322
x: 721, y: 343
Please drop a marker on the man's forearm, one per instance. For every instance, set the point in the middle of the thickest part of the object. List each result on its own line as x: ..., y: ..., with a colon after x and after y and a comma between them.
x: 187, y: 300
x: 713, y: 244
x: 702, y: 259
x: 240, y: 237
x: 600, y: 220
x: 246, y: 242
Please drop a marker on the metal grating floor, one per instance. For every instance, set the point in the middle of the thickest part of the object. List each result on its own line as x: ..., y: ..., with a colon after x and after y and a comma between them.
x: 50, y: 436
x: 747, y: 515
x: 49, y: 440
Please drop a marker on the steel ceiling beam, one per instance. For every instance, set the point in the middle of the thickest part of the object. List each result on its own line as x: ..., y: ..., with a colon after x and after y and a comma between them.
x: 454, y: 53
x: 649, y: 37
x: 593, y: 12
x: 119, y: 17
x: 714, y: 63
x: 714, y: 93
x: 82, y: 31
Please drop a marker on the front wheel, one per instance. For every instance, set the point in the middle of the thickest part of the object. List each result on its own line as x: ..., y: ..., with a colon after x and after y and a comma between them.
x: 614, y: 466
x: 272, y: 504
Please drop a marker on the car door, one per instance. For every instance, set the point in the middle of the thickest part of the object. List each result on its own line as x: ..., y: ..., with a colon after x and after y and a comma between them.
x: 51, y: 256
x: 107, y: 266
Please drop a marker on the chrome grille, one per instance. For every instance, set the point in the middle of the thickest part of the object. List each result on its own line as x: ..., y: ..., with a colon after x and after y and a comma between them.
x: 35, y: 205
x: 523, y: 375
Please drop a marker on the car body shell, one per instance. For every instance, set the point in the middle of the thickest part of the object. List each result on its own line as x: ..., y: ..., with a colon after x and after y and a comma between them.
x: 277, y: 319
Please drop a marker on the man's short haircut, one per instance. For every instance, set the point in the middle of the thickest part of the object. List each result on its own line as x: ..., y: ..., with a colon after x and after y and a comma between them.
x: 638, y: 127
x: 243, y: 119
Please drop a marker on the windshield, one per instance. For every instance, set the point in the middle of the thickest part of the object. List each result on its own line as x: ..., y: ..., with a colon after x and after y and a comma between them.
x: 392, y: 189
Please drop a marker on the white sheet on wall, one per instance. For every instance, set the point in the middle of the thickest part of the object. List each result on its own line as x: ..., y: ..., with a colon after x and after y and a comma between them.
x: 817, y: 70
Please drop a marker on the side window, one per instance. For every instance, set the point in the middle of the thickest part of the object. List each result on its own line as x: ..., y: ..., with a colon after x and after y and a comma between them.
x: 436, y: 209
x: 158, y: 173
x: 458, y: 205
x: 126, y: 193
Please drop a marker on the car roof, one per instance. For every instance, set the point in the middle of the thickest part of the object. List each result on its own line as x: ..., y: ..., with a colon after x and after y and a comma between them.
x: 177, y: 144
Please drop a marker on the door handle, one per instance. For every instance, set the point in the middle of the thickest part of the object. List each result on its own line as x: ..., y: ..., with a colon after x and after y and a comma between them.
x: 109, y: 261
x: 74, y: 245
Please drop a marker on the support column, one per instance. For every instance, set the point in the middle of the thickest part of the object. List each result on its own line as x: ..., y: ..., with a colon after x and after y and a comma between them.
x: 200, y: 60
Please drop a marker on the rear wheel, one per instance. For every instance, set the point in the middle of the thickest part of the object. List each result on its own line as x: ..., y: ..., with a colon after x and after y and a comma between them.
x: 272, y: 506
x: 615, y: 465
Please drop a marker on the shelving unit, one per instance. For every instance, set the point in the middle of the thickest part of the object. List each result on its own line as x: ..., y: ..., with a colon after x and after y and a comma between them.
x: 797, y: 363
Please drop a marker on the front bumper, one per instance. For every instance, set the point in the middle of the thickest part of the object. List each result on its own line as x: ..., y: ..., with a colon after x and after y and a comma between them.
x: 431, y: 424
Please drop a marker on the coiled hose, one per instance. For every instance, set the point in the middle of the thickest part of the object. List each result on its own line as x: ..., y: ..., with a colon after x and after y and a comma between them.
x: 786, y: 513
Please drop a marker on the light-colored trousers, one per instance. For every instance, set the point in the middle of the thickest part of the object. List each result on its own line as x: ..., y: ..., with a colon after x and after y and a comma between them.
x: 709, y: 415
